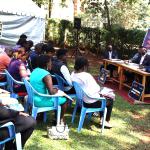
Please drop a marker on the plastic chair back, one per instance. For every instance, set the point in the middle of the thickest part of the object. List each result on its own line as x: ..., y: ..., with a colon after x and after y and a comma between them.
x: 136, y: 90
x: 35, y: 110
x: 12, y: 135
x: 61, y: 82
x: 3, y: 84
x: 11, y: 81
x: 80, y: 95
x: 30, y: 92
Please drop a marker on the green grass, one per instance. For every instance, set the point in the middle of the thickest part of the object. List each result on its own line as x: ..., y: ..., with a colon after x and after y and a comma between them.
x: 130, y: 123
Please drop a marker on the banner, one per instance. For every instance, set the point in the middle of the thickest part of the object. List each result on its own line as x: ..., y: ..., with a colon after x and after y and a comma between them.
x: 146, y: 42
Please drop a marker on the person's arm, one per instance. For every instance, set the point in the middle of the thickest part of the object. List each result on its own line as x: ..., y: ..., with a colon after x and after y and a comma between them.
x: 64, y: 70
x: 7, y: 61
x: 135, y: 58
x: 7, y: 113
x: 23, y: 72
x: 49, y: 84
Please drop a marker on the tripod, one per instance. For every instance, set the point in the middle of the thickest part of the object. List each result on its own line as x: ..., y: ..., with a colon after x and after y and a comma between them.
x: 77, y: 50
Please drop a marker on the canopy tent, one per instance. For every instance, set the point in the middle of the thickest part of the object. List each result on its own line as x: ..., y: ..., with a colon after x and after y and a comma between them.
x: 21, y: 17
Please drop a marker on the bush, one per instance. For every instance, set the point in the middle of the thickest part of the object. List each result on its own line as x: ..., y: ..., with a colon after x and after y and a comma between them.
x: 126, y: 41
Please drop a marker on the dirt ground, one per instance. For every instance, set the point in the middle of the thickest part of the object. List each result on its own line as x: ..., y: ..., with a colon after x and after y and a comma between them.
x: 92, y: 58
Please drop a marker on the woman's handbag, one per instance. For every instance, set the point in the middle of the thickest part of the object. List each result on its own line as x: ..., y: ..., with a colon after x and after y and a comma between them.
x: 58, y: 132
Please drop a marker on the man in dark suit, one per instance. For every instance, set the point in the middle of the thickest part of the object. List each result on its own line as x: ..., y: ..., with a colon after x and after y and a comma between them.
x: 23, y: 123
x: 110, y: 53
x: 141, y: 58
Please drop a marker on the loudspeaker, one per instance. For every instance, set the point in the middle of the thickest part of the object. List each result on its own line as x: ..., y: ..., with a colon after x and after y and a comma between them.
x: 77, y: 23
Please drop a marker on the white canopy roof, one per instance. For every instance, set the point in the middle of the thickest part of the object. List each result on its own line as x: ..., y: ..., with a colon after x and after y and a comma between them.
x: 21, y: 7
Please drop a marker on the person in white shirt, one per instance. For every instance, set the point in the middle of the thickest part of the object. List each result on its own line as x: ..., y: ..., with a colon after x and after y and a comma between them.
x: 90, y: 87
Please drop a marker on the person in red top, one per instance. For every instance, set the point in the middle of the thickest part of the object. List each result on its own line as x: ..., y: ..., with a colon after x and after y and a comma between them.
x: 4, y: 62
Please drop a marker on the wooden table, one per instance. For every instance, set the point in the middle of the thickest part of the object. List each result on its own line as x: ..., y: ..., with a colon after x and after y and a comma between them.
x: 129, y: 67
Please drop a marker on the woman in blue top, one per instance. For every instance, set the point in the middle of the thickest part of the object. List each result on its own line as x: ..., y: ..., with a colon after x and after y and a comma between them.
x: 41, y: 80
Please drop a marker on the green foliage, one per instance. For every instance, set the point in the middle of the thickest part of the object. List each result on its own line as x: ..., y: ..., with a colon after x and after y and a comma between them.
x: 126, y: 41
x: 40, y: 2
x: 57, y: 29
x: 130, y: 1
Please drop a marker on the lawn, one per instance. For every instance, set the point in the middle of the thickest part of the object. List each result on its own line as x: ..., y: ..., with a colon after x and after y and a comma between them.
x: 131, y: 130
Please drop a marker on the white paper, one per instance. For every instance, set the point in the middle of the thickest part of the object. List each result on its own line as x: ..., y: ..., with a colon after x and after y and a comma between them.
x: 61, y: 93
x: 107, y: 92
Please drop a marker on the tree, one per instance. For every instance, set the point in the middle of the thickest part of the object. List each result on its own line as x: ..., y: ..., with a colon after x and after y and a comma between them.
x: 41, y: 2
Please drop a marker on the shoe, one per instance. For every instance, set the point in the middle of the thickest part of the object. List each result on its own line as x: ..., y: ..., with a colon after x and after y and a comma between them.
x: 107, y: 124
x: 96, y: 114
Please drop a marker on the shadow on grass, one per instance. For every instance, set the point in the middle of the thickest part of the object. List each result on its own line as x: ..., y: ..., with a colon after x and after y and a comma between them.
x: 125, y: 136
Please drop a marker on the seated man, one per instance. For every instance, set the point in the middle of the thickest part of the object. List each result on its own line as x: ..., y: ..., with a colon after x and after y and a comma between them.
x: 23, y: 123
x: 110, y: 53
x: 59, y: 66
x: 141, y: 58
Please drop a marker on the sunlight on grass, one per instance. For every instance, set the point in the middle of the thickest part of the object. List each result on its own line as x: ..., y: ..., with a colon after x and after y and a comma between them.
x: 130, y: 123
x: 124, y: 135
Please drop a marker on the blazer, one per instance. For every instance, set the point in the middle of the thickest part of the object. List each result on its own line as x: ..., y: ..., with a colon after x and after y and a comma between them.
x: 114, y: 54
x: 137, y: 57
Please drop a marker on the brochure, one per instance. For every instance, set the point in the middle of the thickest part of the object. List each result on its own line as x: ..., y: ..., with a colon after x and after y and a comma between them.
x: 61, y: 93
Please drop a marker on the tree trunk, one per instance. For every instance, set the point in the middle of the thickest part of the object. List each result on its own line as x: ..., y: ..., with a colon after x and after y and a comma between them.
x: 107, y: 15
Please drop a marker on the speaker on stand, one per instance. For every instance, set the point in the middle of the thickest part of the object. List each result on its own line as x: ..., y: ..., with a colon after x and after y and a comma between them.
x: 77, y: 27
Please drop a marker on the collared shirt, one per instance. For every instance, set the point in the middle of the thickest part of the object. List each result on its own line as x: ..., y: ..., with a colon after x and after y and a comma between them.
x: 64, y: 70
x: 110, y: 54
x: 142, y: 58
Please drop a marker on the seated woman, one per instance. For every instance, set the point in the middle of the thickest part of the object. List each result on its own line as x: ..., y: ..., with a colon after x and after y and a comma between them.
x: 41, y: 80
x: 88, y: 83
x: 23, y: 123
x: 17, y: 68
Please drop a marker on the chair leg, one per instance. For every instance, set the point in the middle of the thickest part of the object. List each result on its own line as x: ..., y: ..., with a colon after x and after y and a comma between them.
x: 74, y: 113
x: 34, y: 113
x: 104, y: 118
x: 58, y: 114
x: 69, y: 103
x: 82, y: 117
x: 1, y: 146
x: 18, y: 141
x: 26, y: 106
x: 45, y: 117
x: 89, y: 116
